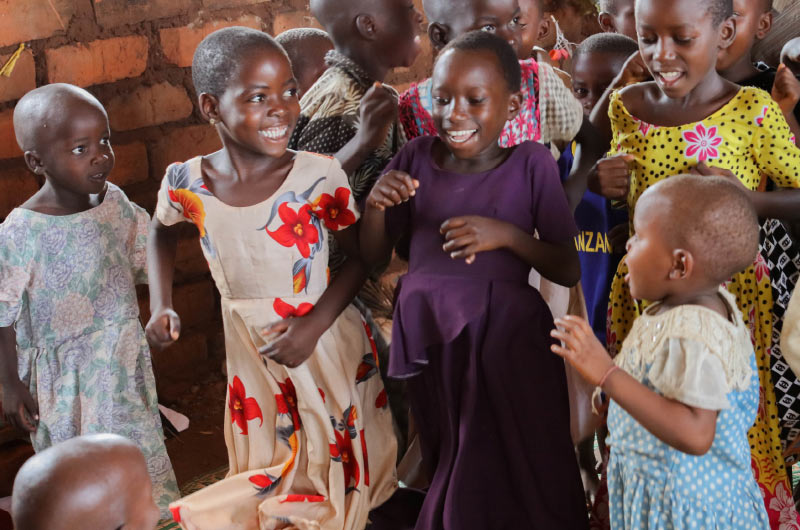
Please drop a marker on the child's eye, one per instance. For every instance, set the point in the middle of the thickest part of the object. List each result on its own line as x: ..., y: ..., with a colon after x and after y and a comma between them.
x: 517, y: 21
x: 489, y: 28
x: 258, y: 98
x: 476, y: 101
x: 647, y: 40
x: 441, y: 101
x: 580, y: 92
x: 683, y: 40
x: 79, y: 150
x: 290, y: 93
x: 105, y: 141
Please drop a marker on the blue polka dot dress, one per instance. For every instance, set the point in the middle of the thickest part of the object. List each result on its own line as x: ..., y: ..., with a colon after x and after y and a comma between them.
x: 695, y: 356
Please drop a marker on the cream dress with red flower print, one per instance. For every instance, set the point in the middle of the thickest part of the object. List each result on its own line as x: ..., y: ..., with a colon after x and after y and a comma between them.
x: 750, y: 137
x: 308, y: 447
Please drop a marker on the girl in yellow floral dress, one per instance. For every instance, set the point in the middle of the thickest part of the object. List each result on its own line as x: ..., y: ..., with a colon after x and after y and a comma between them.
x: 689, y: 119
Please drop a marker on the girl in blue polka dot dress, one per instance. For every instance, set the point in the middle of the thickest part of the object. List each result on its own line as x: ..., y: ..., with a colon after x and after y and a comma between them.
x: 684, y: 389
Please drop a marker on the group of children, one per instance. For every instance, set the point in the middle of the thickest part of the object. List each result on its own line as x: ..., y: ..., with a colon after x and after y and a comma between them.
x: 655, y: 175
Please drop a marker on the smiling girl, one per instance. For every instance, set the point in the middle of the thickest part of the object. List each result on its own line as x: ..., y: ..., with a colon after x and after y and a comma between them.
x: 469, y: 334
x: 689, y: 119
x: 307, y: 425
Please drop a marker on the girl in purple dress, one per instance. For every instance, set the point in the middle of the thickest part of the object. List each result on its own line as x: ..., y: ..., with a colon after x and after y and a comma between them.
x: 470, y: 336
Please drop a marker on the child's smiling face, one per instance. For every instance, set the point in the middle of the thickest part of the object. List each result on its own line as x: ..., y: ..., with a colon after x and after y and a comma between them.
x: 259, y: 108
x: 471, y: 102
x: 680, y: 43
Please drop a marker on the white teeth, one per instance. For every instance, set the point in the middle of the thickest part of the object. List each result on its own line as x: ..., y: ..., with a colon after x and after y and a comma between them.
x: 460, y: 136
x: 274, y: 133
x: 670, y: 76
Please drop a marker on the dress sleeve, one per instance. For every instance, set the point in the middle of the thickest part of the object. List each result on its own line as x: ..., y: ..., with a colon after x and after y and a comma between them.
x: 775, y: 151
x: 171, y: 204
x: 560, y: 113
x: 552, y: 216
x: 14, y: 271
x: 689, y: 372
x: 336, y: 205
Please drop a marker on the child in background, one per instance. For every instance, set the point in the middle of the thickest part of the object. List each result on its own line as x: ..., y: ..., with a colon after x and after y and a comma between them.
x: 690, y: 119
x: 306, y: 48
x: 308, y: 433
x: 567, y: 22
x: 533, y: 26
x: 469, y: 334
x: 96, y: 481
x: 617, y: 16
x: 684, y: 387
x: 73, y: 355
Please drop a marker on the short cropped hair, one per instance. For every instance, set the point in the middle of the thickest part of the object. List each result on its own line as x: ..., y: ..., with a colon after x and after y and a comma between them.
x: 712, y: 218
x: 500, y: 48
x: 720, y: 10
x: 217, y: 57
x: 614, y: 44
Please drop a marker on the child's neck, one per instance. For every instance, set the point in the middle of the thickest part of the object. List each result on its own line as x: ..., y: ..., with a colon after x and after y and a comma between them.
x: 52, y: 200
x: 484, y: 161
x: 365, y: 59
x: 706, y: 296
x: 740, y: 70
x: 702, y: 101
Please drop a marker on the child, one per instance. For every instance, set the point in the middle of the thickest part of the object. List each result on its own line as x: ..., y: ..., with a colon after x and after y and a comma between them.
x: 532, y: 26
x: 96, y: 481
x: 684, y: 388
x: 308, y: 433
x: 306, y: 48
x: 549, y: 112
x: 687, y: 119
x: 568, y: 22
x: 469, y: 334
x: 70, y: 257
x: 617, y: 16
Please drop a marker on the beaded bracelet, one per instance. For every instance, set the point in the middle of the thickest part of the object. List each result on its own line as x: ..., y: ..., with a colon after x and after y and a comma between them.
x: 610, y: 371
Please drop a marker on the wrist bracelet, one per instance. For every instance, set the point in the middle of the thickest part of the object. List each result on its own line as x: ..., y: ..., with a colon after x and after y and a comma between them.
x: 613, y: 368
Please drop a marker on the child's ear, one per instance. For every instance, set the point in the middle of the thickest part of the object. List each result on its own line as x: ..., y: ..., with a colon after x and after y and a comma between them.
x: 544, y: 30
x: 514, y: 105
x: 438, y: 34
x: 682, y: 264
x: 606, y: 22
x: 209, y: 107
x: 366, y: 27
x: 764, y: 25
x: 34, y: 163
x: 727, y: 33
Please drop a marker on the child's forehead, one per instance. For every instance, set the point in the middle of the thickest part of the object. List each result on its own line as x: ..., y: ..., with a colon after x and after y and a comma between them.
x: 469, y: 12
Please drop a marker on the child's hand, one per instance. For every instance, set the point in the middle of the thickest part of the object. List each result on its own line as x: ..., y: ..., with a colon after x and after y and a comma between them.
x: 611, y: 177
x: 468, y: 235
x: 294, y: 341
x: 393, y: 188
x: 633, y: 71
x: 19, y: 408
x: 786, y: 90
x: 581, y: 348
x: 377, y: 113
x: 163, y: 329
x: 704, y: 170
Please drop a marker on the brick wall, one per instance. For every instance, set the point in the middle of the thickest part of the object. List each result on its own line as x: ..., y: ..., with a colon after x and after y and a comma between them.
x: 135, y: 57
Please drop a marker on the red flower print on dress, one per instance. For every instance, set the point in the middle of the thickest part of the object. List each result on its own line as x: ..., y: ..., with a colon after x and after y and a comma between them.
x: 285, y: 310
x: 761, y: 268
x: 296, y: 229
x: 176, y: 513
x: 702, y: 143
x: 371, y: 341
x: 303, y: 498
x: 367, y: 368
x: 264, y: 483
x: 192, y: 206
x: 645, y: 127
x: 243, y: 408
x: 382, y: 399
x: 366, y: 458
x: 334, y: 210
x: 760, y: 118
x: 287, y: 401
x: 288, y: 435
x: 342, y: 451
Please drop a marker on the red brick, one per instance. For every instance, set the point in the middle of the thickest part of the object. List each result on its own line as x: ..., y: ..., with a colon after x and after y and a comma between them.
x: 149, y: 105
x: 179, y: 43
x: 293, y: 19
x: 100, y: 61
x: 182, y: 144
x: 113, y: 13
x: 131, y: 164
x: 195, y: 304
x: 16, y: 186
x: 217, y: 4
x: 27, y: 20
x: 22, y: 79
x: 8, y: 141
x: 190, y: 261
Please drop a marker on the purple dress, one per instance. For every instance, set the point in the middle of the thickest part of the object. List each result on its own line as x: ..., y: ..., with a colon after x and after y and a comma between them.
x: 488, y: 397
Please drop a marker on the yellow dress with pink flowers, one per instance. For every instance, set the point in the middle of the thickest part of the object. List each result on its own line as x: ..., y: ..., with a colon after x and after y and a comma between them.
x: 750, y: 137
x: 308, y: 447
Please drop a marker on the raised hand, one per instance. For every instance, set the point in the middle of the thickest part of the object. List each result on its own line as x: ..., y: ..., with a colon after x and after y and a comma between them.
x: 581, y: 348
x: 163, y: 328
x: 466, y: 236
x: 377, y: 113
x: 611, y: 177
x: 393, y: 188
x: 786, y: 89
x: 292, y: 340
x: 633, y: 71
x: 19, y: 407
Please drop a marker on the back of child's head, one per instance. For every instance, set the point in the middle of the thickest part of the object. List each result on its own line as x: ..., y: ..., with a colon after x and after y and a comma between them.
x: 97, y: 482
x: 710, y: 217
x: 306, y: 48
x: 482, y: 41
x: 218, y: 56
x: 46, y: 108
x: 613, y: 46
x: 617, y: 16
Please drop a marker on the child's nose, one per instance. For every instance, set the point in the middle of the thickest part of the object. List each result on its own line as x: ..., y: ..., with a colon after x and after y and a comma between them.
x: 665, y: 50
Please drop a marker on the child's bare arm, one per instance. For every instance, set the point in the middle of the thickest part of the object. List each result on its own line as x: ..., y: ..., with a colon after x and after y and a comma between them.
x: 299, y: 335
x: 688, y: 429
x: 393, y: 188
x: 466, y: 236
x: 19, y: 407
x: 591, y: 147
x: 164, y: 326
x: 786, y: 93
